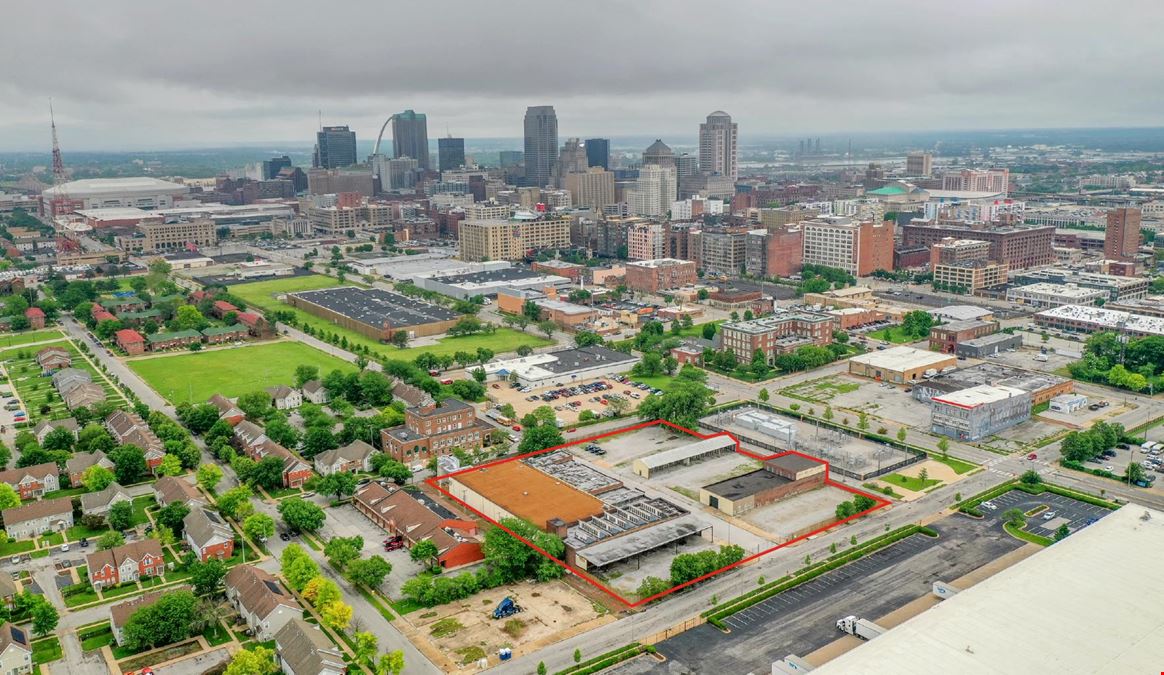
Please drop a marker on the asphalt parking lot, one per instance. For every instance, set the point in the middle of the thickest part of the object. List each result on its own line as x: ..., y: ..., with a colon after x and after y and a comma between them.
x: 804, y: 619
x: 1074, y: 514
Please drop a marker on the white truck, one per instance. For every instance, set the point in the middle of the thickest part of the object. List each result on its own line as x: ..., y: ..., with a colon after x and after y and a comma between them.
x: 862, y: 628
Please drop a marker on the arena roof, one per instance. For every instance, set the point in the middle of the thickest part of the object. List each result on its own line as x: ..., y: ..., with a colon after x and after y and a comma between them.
x: 95, y: 187
x: 530, y: 494
x: 1082, y: 605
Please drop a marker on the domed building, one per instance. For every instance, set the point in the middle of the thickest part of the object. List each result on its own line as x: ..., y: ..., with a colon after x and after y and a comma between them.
x: 659, y: 154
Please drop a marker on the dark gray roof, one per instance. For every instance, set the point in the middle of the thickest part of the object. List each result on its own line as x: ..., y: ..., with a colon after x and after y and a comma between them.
x: 376, y: 307
x: 507, y: 274
x: 586, y: 357
x: 739, y: 487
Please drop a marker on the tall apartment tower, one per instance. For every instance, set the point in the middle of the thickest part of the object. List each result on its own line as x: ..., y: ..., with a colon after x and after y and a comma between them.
x: 859, y: 248
x: 598, y: 152
x: 335, y: 147
x: 919, y: 164
x: 541, y: 144
x: 718, y: 145
x: 450, y: 153
x: 1123, y: 234
x: 410, y: 137
x: 593, y: 189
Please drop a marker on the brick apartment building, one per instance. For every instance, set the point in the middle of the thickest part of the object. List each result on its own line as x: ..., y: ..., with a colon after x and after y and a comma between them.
x: 432, y: 429
x: 416, y: 517
x: 652, y: 276
x: 945, y: 337
x: 860, y: 248
x: 774, y: 253
x: 126, y: 563
x: 776, y: 335
x: 1018, y: 247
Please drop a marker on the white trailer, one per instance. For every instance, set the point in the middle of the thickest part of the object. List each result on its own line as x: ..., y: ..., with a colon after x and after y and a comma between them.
x: 862, y: 628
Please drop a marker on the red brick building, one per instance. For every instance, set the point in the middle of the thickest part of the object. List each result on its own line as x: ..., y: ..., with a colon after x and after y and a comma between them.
x: 221, y: 308
x: 252, y: 440
x: 35, y: 316
x: 652, y: 276
x: 945, y: 337
x: 130, y: 341
x: 418, y: 518
x: 126, y: 563
x: 208, y: 535
x: 430, y: 429
x: 776, y: 335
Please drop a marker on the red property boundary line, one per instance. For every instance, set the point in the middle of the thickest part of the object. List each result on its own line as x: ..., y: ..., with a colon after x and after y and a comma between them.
x: 880, y: 503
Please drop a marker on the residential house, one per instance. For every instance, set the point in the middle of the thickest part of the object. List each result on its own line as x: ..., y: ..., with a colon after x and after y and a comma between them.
x: 46, y: 427
x: 409, y: 394
x: 35, y: 316
x: 250, y: 439
x: 417, y: 517
x: 127, y: 303
x: 221, y: 308
x: 79, y: 463
x: 130, y: 341
x: 120, y: 613
x: 65, y: 378
x: 126, y: 563
x: 170, y: 489
x: 227, y: 410
x: 9, y: 588
x: 100, y: 314
x: 40, y: 517
x: 176, y: 340
x: 256, y: 325
x: 84, y: 395
x: 33, y: 481
x: 284, y: 397
x: 314, y: 391
x: 51, y: 359
x: 217, y: 335
x: 304, y: 649
x: 208, y: 535
x: 99, y: 503
x: 15, y: 650
x: 260, y: 600
x: 129, y: 428
x: 355, y: 456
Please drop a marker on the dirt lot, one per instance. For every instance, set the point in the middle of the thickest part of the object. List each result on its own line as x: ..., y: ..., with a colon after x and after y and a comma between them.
x: 505, y: 394
x: 466, y: 630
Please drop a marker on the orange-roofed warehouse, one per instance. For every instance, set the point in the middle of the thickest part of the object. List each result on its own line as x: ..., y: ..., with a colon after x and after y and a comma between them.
x: 514, y: 489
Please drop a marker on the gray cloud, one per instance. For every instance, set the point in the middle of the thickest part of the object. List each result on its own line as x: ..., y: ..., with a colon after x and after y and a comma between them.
x: 124, y: 73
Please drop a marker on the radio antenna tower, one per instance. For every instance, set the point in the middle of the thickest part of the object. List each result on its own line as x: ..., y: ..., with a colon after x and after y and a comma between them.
x: 59, y: 177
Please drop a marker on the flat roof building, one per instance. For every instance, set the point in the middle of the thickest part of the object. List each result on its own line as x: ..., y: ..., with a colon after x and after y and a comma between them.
x: 778, y: 478
x: 516, y: 490
x: 975, y: 413
x: 900, y: 364
x: 981, y: 347
x: 140, y: 192
x: 1041, y: 386
x: 563, y: 367
x: 684, y: 455
x: 1081, y: 319
x: 375, y: 313
x: 1043, y: 295
x: 490, y: 282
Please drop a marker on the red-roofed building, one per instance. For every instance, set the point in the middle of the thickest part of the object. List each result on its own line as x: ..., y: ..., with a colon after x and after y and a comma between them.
x: 256, y: 325
x: 221, y: 308
x: 35, y: 316
x: 131, y: 341
x: 100, y: 314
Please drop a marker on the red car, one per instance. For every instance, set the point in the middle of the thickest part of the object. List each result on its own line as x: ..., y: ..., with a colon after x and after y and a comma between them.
x: 394, y: 544
x: 517, y: 427
x: 1032, y: 456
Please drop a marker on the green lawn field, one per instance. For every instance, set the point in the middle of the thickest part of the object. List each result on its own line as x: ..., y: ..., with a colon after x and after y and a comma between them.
x: 17, y: 339
x: 196, y: 376
x: 894, y: 334
x: 262, y: 294
x: 910, y: 482
x: 36, y: 391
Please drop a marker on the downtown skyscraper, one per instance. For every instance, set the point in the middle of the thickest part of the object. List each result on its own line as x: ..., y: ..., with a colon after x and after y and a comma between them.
x: 451, y: 153
x: 541, y: 144
x: 598, y: 152
x: 410, y: 137
x: 717, y: 145
x: 335, y: 147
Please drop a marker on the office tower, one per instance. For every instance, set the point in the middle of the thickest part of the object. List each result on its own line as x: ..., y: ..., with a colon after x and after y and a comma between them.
x: 482, y: 240
x: 919, y: 164
x: 541, y: 144
x: 410, y: 137
x: 717, y: 145
x: 686, y: 165
x: 859, y: 248
x: 653, y: 192
x: 646, y: 240
x: 974, y: 180
x: 598, y: 152
x: 273, y: 166
x: 593, y: 189
x: 451, y: 153
x: 335, y: 147
x: 571, y: 159
x: 1122, y: 239
x: 659, y: 154
x: 724, y: 251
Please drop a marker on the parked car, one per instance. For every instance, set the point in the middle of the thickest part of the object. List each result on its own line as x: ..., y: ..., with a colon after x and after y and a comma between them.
x: 1033, y: 456
x: 1049, y: 515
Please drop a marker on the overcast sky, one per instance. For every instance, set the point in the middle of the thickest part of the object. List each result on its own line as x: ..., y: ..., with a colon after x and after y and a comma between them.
x: 134, y: 74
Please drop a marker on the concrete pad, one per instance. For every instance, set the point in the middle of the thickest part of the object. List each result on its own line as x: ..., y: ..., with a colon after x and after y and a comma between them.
x: 800, y: 514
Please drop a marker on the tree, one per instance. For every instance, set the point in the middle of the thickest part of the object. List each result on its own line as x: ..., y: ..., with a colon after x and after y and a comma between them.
x: 336, y: 615
x: 1031, y: 477
x: 256, y: 404
x: 391, y: 663
x: 96, y: 478
x: 1135, y: 472
x: 339, y: 483
x: 44, y: 616
x: 301, y: 515
x: 266, y: 473
x: 844, y: 510
x: 1062, y: 532
x: 365, y: 646
x: 254, y: 661
x: 129, y: 465
x: 540, y: 437
x: 342, y: 550
x: 547, y: 327
x: 171, y: 516
x: 207, y: 577
x: 369, y: 571
x: 111, y: 539
x: 208, y: 476
x: 8, y: 497
x: 121, y: 515
x: 1014, y: 517
x: 321, y: 591
x: 510, y: 559
x: 901, y: 434
x: 59, y: 439
x: 230, y: 501
x: 199, y: 418
x: 297, y: 567
x: 764, y: 396
x: 944, y: 446
x: 541, y: 668
x: 577, y: 655
x: 259, y: 527
x: 170, y: 466
x: 424, y: 551
x: 187, y: 317
x: 587, y: 338
x: 317, y: 440
x: 170, y: 619
x: 305, y: 373
x: 683, y: 405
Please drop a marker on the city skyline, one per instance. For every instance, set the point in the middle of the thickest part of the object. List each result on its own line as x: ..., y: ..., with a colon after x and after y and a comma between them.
x: 1064, y: 70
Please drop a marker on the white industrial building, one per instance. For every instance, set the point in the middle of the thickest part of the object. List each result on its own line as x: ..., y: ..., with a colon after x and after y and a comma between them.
x: 1045, y: 614
x: 1085, y: 319
x: 562, y: 368
x: 1054, y: 295
x: 769, y: 424
x: 1068, y: 403
x: 684, y: 455
x: 978, y: 412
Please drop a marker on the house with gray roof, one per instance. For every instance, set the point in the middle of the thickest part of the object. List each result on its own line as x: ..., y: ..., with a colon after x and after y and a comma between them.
x: 99, y: 503
x: 304, y: 649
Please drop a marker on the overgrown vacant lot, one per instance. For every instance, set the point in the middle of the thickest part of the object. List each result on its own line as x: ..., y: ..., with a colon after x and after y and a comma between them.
x: 196, y: 376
